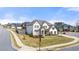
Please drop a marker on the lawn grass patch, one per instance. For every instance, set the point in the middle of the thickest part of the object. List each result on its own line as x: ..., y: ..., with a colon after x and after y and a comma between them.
x: 46, y: 41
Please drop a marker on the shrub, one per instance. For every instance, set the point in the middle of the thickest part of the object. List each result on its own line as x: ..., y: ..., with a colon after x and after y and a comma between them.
x: 23, y: 37
x: 35, y: 36
x: 31, y: 35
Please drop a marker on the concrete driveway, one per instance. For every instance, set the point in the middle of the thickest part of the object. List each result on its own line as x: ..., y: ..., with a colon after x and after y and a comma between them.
x: 5, y: 43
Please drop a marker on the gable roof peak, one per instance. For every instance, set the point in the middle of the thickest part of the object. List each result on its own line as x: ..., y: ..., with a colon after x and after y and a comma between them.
x: 40, y: 22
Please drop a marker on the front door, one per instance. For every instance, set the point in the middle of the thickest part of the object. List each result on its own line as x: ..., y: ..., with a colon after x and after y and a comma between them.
x: 54, y: 32
x: 43, y: 32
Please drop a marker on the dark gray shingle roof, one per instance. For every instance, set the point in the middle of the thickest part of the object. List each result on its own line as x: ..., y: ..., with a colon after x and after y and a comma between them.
x: 40, y: 22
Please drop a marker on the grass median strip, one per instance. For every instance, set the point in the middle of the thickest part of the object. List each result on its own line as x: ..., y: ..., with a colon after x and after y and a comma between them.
x: 14, y: 41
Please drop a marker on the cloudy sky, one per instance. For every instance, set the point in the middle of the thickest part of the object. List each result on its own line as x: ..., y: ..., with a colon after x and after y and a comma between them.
x: 52, y: 14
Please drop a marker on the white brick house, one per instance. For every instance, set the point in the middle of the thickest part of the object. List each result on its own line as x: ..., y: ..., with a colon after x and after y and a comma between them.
x: 36, y: 26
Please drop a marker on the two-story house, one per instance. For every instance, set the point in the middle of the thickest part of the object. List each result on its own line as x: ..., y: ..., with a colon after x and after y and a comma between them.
x: 40, y: 27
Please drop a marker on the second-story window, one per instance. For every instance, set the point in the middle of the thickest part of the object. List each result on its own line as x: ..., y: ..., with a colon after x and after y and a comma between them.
x: 36, y: 26
x: 45, y: 26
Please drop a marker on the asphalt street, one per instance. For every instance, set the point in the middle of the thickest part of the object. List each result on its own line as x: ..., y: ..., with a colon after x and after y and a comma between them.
x: 5, y: 43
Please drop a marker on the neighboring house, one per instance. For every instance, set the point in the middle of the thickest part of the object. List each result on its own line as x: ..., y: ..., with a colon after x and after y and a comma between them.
x: 14, y: 25
x: 24, y: 26
x: 10, y: 25
x: 68, y: 28
x: 64, y: 27
x: 77, y: 28
x: 59, y: 26
x: 18, y: 25
x: 38, y: 27
x: 72, y: 28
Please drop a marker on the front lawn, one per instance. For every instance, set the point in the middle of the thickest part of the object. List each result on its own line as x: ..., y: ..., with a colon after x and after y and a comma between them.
x: 46, y: 41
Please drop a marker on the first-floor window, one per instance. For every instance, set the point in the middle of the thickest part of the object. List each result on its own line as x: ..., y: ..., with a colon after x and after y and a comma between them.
x: 42, y: 31
x: 36, y: 30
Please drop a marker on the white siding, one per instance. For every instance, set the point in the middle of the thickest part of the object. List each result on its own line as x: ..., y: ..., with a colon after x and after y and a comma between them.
x: 34, y: 28
x: 45, y: 24
x: 54, y: 31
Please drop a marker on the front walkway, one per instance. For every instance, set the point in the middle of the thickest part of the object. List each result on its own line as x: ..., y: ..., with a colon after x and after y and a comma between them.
x: 27, y: 48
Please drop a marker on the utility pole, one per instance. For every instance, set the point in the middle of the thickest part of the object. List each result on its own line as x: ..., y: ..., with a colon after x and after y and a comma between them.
x: 40, y: 38
x: 39, y: 42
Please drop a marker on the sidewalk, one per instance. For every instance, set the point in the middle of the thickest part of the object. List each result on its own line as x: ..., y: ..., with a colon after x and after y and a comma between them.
x: 59, y: 45
x: 27, y: 48
x: 23, y: 47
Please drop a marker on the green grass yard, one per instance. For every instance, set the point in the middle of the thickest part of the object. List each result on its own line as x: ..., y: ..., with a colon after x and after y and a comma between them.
x: 46, y: 41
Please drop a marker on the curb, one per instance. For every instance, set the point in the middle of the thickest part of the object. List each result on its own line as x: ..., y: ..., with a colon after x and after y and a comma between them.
x: 23, y: 47
x: 13, y: 45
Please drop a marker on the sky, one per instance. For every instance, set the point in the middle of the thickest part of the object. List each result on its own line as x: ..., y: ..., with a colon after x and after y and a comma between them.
x: 68, y: 15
